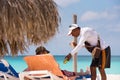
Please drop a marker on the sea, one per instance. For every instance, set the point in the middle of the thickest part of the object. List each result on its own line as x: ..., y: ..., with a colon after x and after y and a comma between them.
x: 18, y: 63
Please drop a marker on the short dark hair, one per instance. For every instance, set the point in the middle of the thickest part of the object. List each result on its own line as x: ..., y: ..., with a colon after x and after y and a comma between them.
x: 41, y: 49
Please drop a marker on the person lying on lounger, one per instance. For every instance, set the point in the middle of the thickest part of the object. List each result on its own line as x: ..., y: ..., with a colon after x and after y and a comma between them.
x: 43, y: 51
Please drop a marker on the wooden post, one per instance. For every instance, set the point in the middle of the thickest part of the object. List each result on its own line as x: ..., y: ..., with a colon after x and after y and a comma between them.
x: 75, y: 40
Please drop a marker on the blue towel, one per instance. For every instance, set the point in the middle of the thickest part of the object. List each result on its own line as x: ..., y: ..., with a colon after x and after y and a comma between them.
x: 81, y: 77
x: 87, y: 76
x: 8, y: 69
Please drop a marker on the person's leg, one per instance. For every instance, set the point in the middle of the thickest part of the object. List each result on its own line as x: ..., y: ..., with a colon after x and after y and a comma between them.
x: 103, y: 74
x: 81, y: 73
x: 93, y: 73
x: 68, y: 73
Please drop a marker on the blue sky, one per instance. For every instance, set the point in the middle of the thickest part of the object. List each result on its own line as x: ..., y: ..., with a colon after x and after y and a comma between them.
x: 102, y: 15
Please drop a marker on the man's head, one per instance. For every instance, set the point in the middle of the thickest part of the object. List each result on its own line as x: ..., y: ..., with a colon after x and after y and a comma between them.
x: 41, y: 50
x: 74, y: 30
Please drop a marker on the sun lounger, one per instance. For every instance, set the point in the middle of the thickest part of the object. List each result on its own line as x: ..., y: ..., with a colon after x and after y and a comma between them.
x: 43, y: 62
x: 5, y: 76
x: 39, y: 75
x: 7, y: 72
x: 46, y: 62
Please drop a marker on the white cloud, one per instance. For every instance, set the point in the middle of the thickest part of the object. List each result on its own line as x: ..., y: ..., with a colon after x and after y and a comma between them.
x: 108, y: 14
x: 89, y: 15
x: 64, y: 3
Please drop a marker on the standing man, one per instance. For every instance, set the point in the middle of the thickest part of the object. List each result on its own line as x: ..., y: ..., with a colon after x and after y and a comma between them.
x: 91, y: 40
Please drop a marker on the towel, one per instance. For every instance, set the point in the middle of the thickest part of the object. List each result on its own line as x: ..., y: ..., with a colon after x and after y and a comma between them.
x: 7, y: 68
x: 43, y: 62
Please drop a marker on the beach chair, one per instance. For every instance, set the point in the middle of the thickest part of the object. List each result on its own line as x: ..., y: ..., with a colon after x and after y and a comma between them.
x: 7, y: 72
x: 5, y: 76
x: 39, y: 75
x: 43, y: 63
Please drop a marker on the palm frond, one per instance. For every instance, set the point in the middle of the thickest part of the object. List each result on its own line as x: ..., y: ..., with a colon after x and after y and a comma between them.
x: 26, y: 22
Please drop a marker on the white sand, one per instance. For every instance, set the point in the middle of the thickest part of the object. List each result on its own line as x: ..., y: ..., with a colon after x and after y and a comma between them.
x: 113, y: 77
x: 109, y: 77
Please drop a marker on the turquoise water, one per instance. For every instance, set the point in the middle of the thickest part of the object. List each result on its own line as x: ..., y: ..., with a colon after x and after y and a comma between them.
x: 19, y: 64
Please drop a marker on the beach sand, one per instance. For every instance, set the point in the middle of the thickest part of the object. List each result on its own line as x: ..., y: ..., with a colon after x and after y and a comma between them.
x: 109, y: 77
x: 113, y: 77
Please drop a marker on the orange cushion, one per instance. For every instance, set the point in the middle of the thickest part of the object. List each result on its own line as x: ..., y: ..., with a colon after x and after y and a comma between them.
x: 43, y: 62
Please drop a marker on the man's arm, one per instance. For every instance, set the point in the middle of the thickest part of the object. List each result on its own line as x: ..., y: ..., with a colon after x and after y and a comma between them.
x: 79, y: 45
x: 75, y: 50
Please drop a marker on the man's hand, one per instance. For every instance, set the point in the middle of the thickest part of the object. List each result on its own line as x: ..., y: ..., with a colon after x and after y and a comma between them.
x: 67, y: 58
x: 73, y: 44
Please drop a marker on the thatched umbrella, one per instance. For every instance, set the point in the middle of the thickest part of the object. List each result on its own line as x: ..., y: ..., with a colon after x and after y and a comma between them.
x: 26, y: 22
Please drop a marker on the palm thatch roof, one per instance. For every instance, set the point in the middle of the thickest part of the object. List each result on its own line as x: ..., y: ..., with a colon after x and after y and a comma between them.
x: 26, y: 22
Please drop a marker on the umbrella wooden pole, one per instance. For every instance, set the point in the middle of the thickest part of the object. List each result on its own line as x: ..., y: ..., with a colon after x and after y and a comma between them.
x: 75, y: 40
